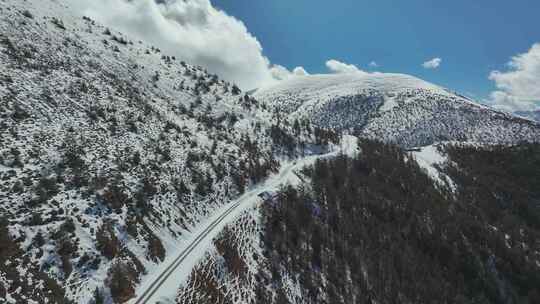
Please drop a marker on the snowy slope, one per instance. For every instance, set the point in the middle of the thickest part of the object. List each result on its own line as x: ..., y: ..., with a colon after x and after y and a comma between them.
x: 395, y: 108
x: 111, y: 153
x: 164, y: 289
x: 432, y: 158
x: 311, y: 93
x: 533, y: 115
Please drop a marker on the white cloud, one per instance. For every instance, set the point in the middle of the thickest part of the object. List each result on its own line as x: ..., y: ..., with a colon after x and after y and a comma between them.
x: 192, y: 30
x: 281, y: 73
x: 339, y: 67
x: 373, y: 64
x: 300, y: 71
x: 432, y: 64
x: 519, y: 87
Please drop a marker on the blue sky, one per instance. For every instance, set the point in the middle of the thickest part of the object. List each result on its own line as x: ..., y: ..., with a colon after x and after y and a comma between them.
x: 472, y: 38
x: 489, y: 50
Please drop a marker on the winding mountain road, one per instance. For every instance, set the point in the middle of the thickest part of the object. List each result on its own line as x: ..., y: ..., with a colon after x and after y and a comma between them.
x: 146, y: 296
x: 158, y: 288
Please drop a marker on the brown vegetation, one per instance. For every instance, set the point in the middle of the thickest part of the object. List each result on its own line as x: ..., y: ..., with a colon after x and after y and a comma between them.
x: 107, y: 242
x: 228, y: 249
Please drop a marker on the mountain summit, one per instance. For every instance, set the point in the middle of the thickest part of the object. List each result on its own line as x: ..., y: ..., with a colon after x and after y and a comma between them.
x: 130, y: 176
x: 395, y: 108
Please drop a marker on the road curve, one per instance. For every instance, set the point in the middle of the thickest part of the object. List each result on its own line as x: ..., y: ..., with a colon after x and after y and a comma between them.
x: 147, y: 296
x: 270, y: 184
x: 154, y: 287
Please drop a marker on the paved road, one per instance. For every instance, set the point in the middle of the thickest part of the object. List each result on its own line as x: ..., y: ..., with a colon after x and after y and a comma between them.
x: 151, y: 294
x: 147, y: 295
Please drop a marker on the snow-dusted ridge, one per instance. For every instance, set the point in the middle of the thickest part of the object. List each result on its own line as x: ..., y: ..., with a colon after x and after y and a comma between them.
x: 395, y: 108
x: 348, y: 83
x: 312, y: 92
x: 178, y: 268
x: 115, y: 157
x: 112, y: 154
x: 532, y: 115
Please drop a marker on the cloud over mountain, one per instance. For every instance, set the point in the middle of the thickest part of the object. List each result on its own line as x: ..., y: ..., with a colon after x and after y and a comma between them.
x: 518, y: 88
x: 339, y: 67
x: 282, y: 73
x: 194, y: 31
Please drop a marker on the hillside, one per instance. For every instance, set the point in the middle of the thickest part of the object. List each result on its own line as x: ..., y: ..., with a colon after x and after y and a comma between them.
x: 111, y: 152
x: 534, y: 115
x: 128, y: 175
x: 374, y: 229
x: 395, y: 108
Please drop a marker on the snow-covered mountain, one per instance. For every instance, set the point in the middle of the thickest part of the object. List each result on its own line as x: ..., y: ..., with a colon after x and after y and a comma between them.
x: 395, y: 108
x: 534, y: 115
x: 111, y: 152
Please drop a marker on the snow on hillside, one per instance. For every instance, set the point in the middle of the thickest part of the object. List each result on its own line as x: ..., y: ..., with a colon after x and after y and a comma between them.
x: 395, y: 108
x: 432, y: 158
x: 533, y: 115
x: 227, y: 274
x: 111, y: 153
x: 313, y: 92
x: 331, y: 85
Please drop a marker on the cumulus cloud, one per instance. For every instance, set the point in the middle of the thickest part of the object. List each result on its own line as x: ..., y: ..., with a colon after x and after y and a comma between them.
x: 194, y: 31
x: 373, y: 64
x: 518, y: 88
x: 282, y: 73
x: 339, y: 67
x: 300, y: 71
x: 432, y: 64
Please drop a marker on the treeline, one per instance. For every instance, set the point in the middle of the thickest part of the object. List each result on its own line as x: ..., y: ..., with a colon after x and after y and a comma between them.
x: 375, y: 230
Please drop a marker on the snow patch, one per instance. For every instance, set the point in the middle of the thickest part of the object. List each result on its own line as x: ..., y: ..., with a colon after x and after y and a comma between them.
x: 430, y: 158
x: 389, y: 103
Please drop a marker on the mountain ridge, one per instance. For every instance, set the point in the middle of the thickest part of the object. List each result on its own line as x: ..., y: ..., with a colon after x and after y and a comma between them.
x: 395, y: 108
x: 533, y: 115
x: 113, y: 153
